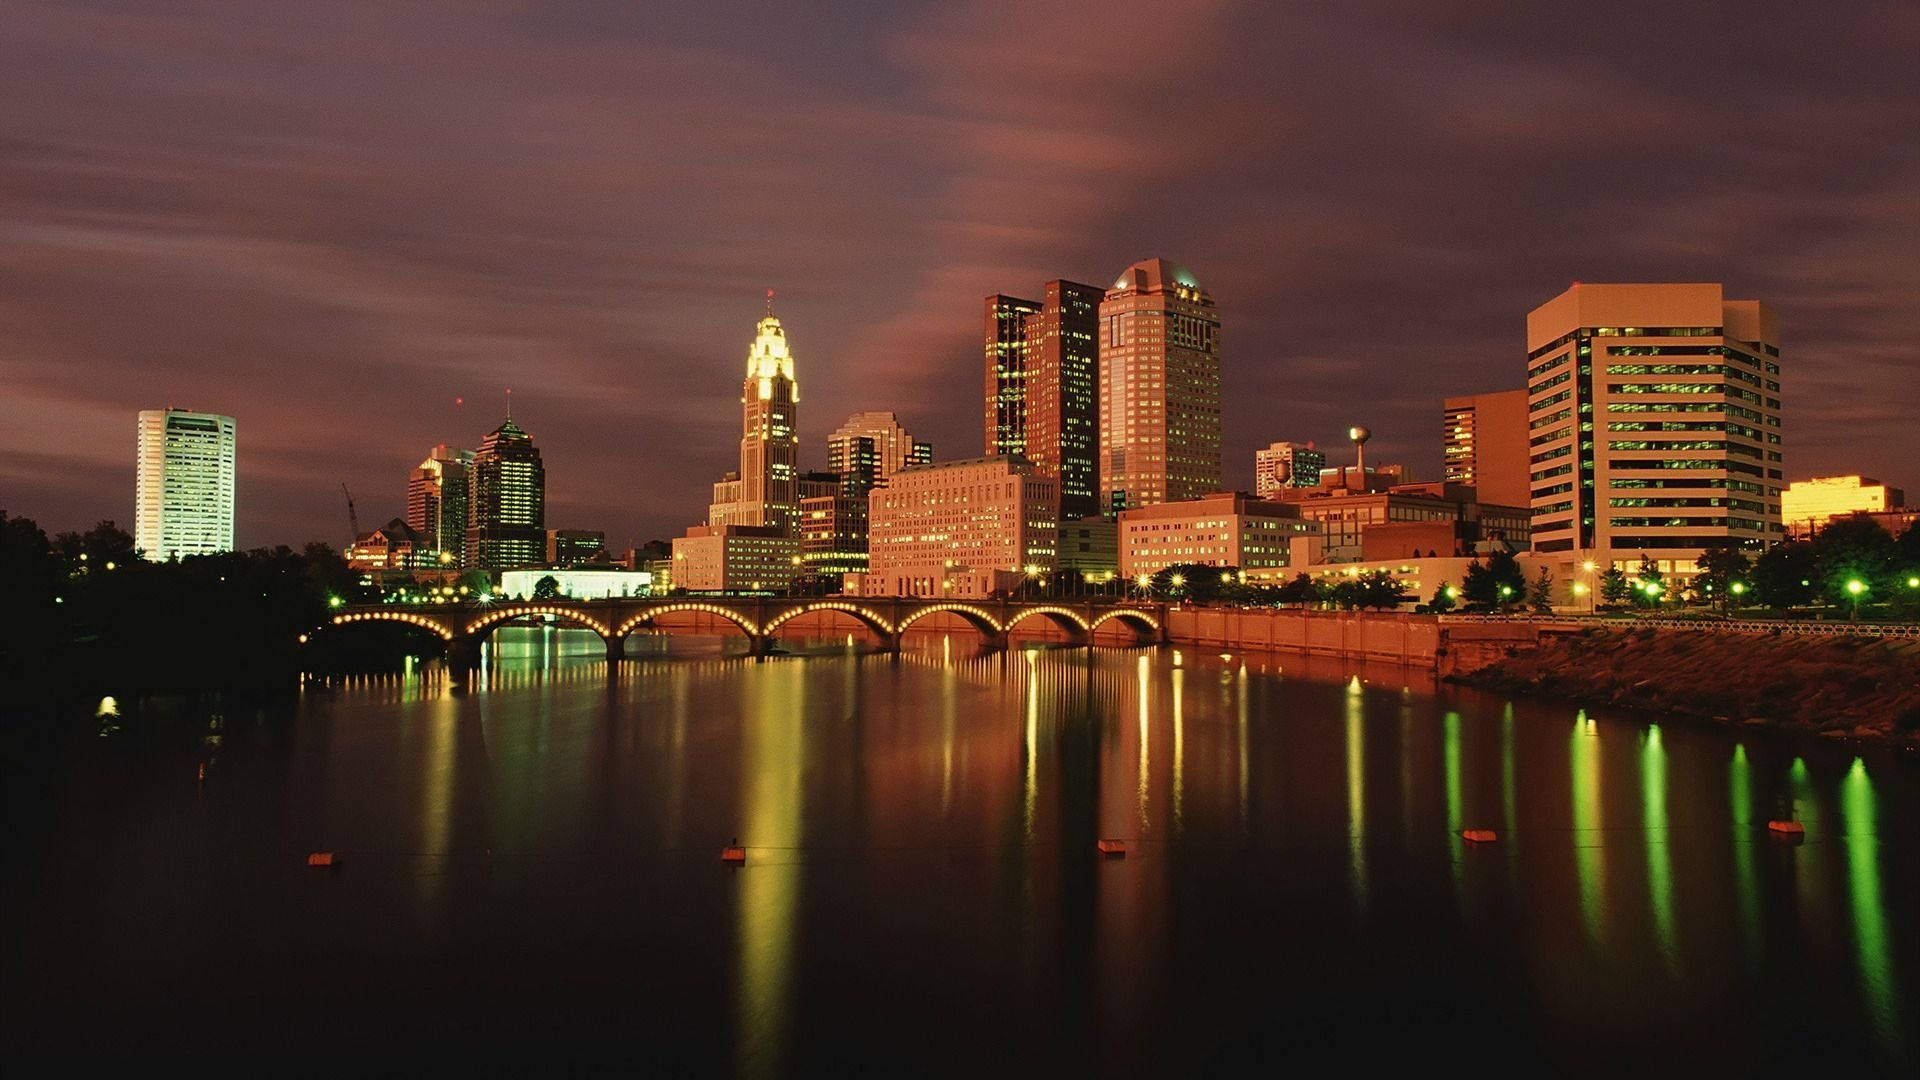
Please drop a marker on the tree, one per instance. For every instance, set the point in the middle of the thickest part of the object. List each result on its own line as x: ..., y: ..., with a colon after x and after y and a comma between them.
x: 1442, y: 598
x: 546, y: 588
x: 1380, y: 589
x: 1720, y: 567
x: 1784, y: 575
x: 1300, y: 590
x: 1497, y: 583
x: 1650, y: 586
x: 1198, y: 582
x: 1615, y: 587
x: 1540, y: 593
x: 1856, y: 560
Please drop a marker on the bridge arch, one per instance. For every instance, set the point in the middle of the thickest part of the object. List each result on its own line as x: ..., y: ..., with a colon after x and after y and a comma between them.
x: 1065, y: 618
x: 1142, y: 623
x: 745, y: 623
x: 979, y: 618
x: 485, y: 624
x: 867, y: 618
x: 408, y: 617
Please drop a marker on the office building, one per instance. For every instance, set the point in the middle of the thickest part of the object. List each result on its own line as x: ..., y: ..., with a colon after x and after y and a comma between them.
x: 596, y: 583
x: 1042, y: 375
x: 765, y: 491
x: 393, y: 546
x: 183, y: 484
x: 1654, y: 420
x: 833, y: 538
x: 934, y: 524
x: 507, y: 502
x: 1090, y: 546
x: 1807, y: 505
x: 1226, y: 528
x: 1159, y: 388
x: 1484, y: 445
x: 1286, y: 464
x: 571, y: 547
x: 870, y: 447
x: 734, y: 558
x: 437, y: 504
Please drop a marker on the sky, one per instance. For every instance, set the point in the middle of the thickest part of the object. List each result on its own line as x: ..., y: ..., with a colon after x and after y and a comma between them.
x: 335, y: 221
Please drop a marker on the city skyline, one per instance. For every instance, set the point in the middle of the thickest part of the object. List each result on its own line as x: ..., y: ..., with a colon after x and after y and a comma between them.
x: 324, y: 277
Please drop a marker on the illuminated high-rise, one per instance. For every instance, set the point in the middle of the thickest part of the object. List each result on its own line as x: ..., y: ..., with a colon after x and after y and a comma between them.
x: 1654, y: 420
x: 183, y: 484
x: 765, y: 492
x: 1484, y: 444
x: 437, y: 504
x: 507, y: 502
x: 1159, y: 388
x: 1042, y: 378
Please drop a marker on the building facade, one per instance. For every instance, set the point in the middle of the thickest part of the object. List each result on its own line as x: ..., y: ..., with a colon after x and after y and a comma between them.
x: 1228, y: 528
x: 571, y: 547
x: 870, y: 447
x: 507, y: 502
x: 1654, y: 421
x: 1286, y: 464
x: 1484, y: 445
x: 1442, y: 518
x: 183, y: 483
x: 765, y: 492
x: 393, y: 546
x: 1807, y: 505
x: 735, y: 559
x: 437, y: 496
x: 1159, y: 388
x: 992, y: 513
x: 1090, y: 546
x: 1042, y: 380
x: 595, y: 584
x: 833, y: 538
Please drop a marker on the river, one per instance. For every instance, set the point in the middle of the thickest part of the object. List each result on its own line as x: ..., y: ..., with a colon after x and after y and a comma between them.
x: 529, y: 875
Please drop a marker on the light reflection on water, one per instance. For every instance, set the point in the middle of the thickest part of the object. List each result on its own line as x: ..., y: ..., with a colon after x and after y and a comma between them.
x: 920, y: 835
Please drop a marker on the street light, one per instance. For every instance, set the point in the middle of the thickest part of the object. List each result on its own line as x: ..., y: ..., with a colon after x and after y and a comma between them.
x: 1856, y: 587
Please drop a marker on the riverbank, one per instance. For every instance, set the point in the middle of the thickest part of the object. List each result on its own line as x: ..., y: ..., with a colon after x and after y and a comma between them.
x: 1835, y: 686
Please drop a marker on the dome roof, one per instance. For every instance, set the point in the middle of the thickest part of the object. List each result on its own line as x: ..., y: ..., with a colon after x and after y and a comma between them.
x: 1156, y: 274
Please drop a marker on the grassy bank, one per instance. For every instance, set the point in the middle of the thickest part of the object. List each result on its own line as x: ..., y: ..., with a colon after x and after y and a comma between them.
x: 1857, y: 686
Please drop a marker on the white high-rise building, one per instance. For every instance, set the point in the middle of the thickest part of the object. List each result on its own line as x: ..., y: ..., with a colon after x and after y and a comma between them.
x: 183, y: 490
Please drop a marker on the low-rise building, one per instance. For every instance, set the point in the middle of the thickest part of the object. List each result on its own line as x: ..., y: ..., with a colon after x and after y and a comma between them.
x: 1807, y: 505
x: 393, y: 546
x: 1225, y: 529
x: 734, y: 558
x: 1409, y: 519
x: 577, y: 584
x: 1090, y: 546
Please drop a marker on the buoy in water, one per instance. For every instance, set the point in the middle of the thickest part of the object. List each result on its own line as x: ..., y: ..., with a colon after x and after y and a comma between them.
x: 1786, y: 828
x: 734, y: 853
x: 1111, y: 849
x: 321, y: 860
x: 1479, y: 836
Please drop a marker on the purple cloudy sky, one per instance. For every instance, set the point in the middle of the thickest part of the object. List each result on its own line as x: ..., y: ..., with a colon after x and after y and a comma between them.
x: 331, y: 219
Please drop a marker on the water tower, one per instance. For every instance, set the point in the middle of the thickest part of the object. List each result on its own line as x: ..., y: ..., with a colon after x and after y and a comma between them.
x: 1360, y: 435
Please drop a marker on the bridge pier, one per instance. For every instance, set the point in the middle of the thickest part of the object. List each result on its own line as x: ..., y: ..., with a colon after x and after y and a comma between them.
x: 616, y: 648
x: 463, y: 656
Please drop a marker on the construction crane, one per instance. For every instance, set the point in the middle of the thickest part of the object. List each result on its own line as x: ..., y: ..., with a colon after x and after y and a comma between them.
x: 353, y: 517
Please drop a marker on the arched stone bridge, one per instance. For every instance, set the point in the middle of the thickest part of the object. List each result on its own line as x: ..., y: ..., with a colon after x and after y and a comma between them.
x: 465, y: 627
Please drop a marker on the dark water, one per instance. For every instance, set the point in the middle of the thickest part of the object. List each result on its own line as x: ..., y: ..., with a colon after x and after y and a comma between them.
x: 530, y: 877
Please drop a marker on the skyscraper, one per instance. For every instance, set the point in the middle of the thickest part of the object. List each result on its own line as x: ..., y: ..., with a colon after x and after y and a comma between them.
x: 507, y: 508
x: 1484, y: 443
x: 1284, y: 465
x: 1159, y: 388
x: 183, y: 485
x: 1042, y: 376
x: 1655, y: 412
x: 437, y: 504
x: 870, y: 447
x: 765, y: 492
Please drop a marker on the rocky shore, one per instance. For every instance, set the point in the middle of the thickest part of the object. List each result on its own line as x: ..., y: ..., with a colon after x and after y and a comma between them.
x: 1836, y: 686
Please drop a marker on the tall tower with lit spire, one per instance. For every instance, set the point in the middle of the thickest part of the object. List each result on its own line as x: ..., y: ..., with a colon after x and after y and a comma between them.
x: 766, y: 490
